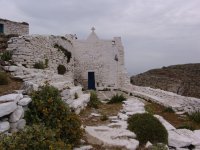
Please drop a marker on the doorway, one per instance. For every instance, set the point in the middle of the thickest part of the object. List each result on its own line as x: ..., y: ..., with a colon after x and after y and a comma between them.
x: 91, y: 81
x: 1, y: 28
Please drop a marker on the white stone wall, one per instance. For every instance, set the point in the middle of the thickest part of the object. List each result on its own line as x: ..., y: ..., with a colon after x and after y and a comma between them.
x: 29, y: 49
x: 103, y: 57
x: 11, y: 27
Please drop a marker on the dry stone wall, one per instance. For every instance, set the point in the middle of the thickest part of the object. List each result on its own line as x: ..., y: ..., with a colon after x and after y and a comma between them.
x: 11, y: 27
x: 28, y: 50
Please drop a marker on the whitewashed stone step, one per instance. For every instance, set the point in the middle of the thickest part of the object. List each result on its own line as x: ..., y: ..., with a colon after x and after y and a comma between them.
x: 10, y: 98
x: 7, y: 108
x: 166, y: 124
x: 111, y: 137
x: 4, y: 126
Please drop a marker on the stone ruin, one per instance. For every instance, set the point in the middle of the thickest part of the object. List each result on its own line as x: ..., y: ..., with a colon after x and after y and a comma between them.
x: 10, y: 27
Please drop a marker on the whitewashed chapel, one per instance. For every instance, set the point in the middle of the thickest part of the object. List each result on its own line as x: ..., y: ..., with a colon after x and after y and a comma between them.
x: 94, y: 63
x: 99, y: 63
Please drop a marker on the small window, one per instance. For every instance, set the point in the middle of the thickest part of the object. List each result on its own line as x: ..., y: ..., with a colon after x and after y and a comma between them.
x: 1, y: 28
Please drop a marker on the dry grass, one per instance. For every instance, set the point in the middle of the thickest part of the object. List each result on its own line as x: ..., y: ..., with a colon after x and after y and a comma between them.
x: 176, y: 120
x: 104, y: 109
x: 12, y: 85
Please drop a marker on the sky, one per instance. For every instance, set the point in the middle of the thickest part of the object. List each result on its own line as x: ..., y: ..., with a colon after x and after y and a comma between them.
x: 155, y: 33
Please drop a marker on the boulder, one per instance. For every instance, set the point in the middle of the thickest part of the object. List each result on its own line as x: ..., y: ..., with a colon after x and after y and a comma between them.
x: 4, y: 126
x: 10, y: 98
x: 11, y: 68
x: 24, y: 101
x: 7, y: 108
x: 17, y: 114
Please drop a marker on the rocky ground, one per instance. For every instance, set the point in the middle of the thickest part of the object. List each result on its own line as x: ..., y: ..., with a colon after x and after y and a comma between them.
x: 180, y: 79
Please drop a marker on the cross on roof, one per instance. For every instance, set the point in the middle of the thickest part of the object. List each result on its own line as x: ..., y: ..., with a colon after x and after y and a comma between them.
x: 93, y: 29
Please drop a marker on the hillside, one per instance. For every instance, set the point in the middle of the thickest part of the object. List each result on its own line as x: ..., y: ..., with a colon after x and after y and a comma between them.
x: 181, y: 79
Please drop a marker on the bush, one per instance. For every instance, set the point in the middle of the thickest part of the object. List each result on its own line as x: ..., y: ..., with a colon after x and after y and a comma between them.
x: 65, y: 51
x: 61, y: 69
x: 169, y: 110
x: 48, y: 108
x: 36, y: 137
x: 147, y: 128
x: 39, y: 65
x: 3, y: 78
x: 94, y: 101
x: 195, y: 116
x: 117, y: 99
x: 6, y: 56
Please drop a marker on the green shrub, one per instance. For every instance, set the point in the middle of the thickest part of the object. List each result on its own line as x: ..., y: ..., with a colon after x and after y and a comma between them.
x: 61, y: 69
x: 186, y: 126
x: 75, y: 96
x: 65, y: 51
x: 195, y: 116
x: 36, y: 137
x: 158, y: 146
x: 94, y: 101
x: 117, y: 99
x: 104, y: 117
x: 39, y: 65
x: 6, y: 56
x: 169, y: 110
x: 48, y: 108
x: 147, y: 128
x: 3, y: 78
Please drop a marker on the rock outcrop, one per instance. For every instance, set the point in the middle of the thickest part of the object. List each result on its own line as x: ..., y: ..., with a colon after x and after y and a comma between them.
x: 181, y: 79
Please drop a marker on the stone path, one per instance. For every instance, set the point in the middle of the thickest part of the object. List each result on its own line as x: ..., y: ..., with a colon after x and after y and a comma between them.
x: 180, y: 104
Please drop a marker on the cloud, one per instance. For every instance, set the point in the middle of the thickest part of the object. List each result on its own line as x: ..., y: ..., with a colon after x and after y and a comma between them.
x: 155, y: 33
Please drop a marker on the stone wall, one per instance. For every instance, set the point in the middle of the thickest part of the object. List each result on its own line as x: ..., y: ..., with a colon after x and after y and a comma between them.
x: 11, y: 27
x: 28, y: 50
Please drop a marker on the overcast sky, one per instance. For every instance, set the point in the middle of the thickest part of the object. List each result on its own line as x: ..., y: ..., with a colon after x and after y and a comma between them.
x: 155, y: 33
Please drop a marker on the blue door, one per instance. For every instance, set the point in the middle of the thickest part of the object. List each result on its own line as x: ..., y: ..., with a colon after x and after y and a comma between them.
x: 91, y: 81
x: 1, y: 28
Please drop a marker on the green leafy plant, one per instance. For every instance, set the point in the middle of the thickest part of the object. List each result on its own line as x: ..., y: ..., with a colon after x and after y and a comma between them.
x: 147, y: 128
x: 6, y: 56
x: 94, y: 101
x: 195, y: 116
x: 65, y: 51
x: 3, y: 78
x: 39, y: 65
x: 75, y: 96
x: 186, y: 126
x: 104, y: 117
x: 61, y: 69
x: 117, y: 99
x: 48, y: 108
x: 36, y: 137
